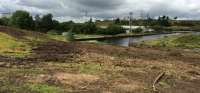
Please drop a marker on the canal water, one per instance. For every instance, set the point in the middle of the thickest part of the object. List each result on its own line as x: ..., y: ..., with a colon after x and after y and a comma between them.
x: 133, y: 40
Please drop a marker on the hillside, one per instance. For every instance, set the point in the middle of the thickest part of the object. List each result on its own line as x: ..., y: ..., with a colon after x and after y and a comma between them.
x: 52, y: 66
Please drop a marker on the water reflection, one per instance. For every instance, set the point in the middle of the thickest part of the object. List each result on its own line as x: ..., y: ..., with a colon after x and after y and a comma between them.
x: 132, y: 40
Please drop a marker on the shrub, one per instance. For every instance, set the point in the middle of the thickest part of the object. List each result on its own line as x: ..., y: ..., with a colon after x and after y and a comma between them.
x: 69, y: 36
x: 137, y: 30
x: 112, y: 30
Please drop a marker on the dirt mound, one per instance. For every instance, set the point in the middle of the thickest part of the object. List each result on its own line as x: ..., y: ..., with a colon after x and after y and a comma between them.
x: 55, y: 51
x: 12, y: 32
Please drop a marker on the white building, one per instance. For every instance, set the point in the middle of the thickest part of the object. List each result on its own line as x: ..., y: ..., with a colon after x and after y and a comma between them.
x: 127, y: 28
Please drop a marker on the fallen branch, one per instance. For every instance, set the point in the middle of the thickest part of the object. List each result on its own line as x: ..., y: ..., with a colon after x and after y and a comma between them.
x: 157, y: 80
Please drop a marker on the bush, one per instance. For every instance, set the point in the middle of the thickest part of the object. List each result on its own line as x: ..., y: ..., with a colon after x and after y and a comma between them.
x: 78, y: 28
x: 4, y: 21
x: 69, y: 36
x: 111, y: 30
x: 86, y: 28
x: 137, y: 30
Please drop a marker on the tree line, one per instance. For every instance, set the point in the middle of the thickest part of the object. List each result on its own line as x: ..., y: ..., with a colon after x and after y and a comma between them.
x: 46, y: 23
x: 163, y: 21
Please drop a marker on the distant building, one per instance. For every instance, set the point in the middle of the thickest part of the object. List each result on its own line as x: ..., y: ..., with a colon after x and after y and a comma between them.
x: 127, y: 28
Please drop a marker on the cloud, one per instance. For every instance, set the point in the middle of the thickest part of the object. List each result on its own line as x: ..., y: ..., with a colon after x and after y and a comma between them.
x: 63, y: 9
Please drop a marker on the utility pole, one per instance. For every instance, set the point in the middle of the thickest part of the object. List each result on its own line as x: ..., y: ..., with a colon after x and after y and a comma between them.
x: 130, y: 20
x: 86, y: 13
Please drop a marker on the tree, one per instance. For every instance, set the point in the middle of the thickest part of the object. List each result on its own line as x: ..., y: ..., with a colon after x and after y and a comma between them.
x: 47, y: 23
x: 4, y: 21
x: 117, y: 21
x: 65, y: 26
x: 90, y: 27
x: 175, y: 18
x: 114, y: 29
x: 37, y: 23
x: 22, y: 19
x: 164, y: 21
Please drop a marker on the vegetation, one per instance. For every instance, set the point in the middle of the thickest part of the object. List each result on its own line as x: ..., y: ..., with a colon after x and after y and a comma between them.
x: 12, y: 47
x: 111, y: 30
x: 4, y: 21
x: 137, y: 30
x: 22, y: 19
x: 64, y: 67
x: 69, y: 36
x: 185, y: 41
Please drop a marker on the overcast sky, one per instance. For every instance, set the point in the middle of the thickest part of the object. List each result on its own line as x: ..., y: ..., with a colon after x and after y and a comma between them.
x: 66, y: 9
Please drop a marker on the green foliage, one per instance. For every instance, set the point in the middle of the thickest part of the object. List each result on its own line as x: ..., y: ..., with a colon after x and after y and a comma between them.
x: 89, y: 27
x: 22, y: 19
x: 43, y: 88
x: 69, y: 36
x: 164, y: 21
x: 37, y: 23
x: 65, y: 26
x: 47, y: 23
x: 113, y: 30
x: 137, y: 30
x: 4, y: 21
x: 188, y: 41
x: 86, y: 28
x: 11, y: 47
x: 185, y: 41
x: 78, y: 28
x: 117, y: 21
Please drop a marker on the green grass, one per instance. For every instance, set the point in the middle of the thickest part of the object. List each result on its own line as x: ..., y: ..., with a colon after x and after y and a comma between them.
x: 10, y: 87
x: 12, y: 47
x: 183, y: 41
x: 57, y: 37
x: 44, y: 88
x: 82, y: 36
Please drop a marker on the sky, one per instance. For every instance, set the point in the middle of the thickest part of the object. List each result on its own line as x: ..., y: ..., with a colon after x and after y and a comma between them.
x: 74, y: 9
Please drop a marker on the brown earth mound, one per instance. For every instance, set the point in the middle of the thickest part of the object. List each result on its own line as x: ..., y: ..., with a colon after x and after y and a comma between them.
x: 12, y: 31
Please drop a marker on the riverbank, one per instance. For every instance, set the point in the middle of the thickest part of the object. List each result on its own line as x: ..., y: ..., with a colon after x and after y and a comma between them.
x: 191, y: 41
x: 103, y: 37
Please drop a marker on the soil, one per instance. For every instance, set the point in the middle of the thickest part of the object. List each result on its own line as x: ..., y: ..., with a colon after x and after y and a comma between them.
x: 137, y: 66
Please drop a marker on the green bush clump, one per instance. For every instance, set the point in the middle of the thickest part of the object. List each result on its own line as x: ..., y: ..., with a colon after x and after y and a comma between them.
x: 111, y: 30
x: 137, y: 30
x: 69, y: 36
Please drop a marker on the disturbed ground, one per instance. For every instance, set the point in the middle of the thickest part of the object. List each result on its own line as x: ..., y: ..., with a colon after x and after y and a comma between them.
x: 60, y: 67
x: 91, y: 68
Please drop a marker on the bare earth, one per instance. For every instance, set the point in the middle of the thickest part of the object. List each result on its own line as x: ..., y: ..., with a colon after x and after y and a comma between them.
x: 91, y: 68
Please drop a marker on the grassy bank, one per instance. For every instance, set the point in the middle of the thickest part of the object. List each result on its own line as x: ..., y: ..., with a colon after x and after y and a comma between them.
x: 183, y: 41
